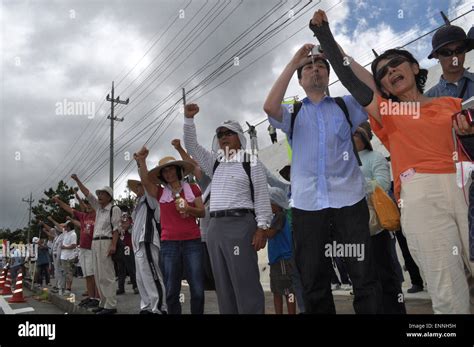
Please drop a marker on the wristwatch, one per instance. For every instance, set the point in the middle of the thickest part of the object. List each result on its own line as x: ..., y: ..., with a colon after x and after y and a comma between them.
x: 264, y: 226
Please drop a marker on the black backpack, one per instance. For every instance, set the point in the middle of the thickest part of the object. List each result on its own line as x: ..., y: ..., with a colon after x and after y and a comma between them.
x: 340, y: 102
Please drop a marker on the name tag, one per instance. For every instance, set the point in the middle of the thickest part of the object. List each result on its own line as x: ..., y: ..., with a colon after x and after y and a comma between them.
x: 407, y: 175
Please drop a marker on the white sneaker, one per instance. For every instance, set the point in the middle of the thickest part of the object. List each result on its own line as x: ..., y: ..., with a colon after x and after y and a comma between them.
x: 346, y: 287
x: 335, y: 286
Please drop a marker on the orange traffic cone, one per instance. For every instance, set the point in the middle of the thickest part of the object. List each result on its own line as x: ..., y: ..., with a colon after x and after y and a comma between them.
x: 2, y: 278
x: 7, y: 289
x: 18, y: 292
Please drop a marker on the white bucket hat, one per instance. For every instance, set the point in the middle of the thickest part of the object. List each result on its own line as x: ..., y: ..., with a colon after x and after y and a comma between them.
x: 235, y: 127
x: 106, y: 189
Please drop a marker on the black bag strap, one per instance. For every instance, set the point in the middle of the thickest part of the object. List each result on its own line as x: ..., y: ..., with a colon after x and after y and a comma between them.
x: 340, y: 102
x: 111, y: 210
x: 296, y: 108
x: 150, y: 217
x: 246, y: 165
x: 463, y: 90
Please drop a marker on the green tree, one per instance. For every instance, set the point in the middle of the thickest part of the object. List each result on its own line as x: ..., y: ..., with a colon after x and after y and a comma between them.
x: 46, y: 207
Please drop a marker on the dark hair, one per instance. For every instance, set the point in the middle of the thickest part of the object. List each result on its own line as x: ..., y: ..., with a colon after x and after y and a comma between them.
x: 299, y: 71
x: 179, y: 173
x: 420, y: 78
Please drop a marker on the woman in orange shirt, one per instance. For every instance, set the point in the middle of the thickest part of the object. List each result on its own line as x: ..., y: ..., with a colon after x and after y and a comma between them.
x: 417, y: 131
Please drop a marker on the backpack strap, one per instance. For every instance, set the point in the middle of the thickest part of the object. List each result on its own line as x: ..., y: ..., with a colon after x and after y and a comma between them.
x: 296, y: 108
x: 463, y: 90
x: 111, y: 210
x: 340, y: 102
x: 246, y: 165
x: 150, y: 217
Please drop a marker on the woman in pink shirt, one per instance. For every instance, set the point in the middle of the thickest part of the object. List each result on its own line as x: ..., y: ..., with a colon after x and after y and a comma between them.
x: 181, y: 247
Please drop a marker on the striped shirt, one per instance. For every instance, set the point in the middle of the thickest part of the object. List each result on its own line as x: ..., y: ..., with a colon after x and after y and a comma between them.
x: 230, y: 186
x: 102, y: 217
x: 139, y: 221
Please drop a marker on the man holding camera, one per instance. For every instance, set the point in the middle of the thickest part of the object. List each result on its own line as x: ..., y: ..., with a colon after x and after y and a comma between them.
x: 326, y: 183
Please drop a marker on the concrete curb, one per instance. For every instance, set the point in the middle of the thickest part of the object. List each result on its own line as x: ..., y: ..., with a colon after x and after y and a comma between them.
x: 57, y: 300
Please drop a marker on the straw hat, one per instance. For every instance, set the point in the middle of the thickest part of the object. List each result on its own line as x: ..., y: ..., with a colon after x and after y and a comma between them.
x: 155, y: 174
x: 133, y: 185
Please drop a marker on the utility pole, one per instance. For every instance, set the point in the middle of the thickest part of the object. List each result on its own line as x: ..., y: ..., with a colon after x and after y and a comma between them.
x: 112, y: 119
x: 29, y: 201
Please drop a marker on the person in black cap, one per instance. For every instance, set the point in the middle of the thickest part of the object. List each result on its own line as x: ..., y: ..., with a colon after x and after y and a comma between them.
x: 450, y: 45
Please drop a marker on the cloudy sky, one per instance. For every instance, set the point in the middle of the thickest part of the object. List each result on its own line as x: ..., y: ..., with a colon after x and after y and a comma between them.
x: 59, y: 59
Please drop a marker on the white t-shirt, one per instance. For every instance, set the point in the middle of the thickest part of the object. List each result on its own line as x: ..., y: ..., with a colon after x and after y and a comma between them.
x: 70, y: 238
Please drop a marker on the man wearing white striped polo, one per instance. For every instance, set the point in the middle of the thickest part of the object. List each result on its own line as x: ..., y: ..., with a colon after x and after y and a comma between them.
x: 240, y: 214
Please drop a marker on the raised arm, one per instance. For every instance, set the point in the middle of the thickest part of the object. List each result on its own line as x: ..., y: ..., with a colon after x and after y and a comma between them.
x: 351, y: 77
x: 63, y: 205
x: 56, y: 224
x: 81, y: 202
x: 81, y: 186
x: 47, y: 230
x: 176, y: 143
x: 204, y: 158
x: 140, y: 158
x: 272, y: 106
x: 74, y: 221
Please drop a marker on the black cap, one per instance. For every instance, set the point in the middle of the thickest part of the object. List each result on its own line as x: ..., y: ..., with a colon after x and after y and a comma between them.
x: 449, y: 34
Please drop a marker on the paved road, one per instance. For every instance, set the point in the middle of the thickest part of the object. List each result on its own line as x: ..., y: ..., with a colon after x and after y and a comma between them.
x: 129, y: 302
x: 32, y: 302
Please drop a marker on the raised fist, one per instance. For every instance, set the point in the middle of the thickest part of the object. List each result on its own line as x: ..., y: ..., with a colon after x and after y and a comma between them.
x: 190, y: 110
x: 176, y: 143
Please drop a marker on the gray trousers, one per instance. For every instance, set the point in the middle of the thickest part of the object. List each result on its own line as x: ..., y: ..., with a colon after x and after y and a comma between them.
x: 153, y: 295
x: 59, y: 274
x: 234, y: 263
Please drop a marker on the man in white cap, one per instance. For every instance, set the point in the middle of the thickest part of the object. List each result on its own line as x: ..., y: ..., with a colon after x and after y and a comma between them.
x: 146, y: 245
x: 240, y: 214
x: 104, y: 242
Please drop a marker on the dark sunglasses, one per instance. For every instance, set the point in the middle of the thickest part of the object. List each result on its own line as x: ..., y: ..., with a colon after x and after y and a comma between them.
x: 221, y: 134
x: 392, y: 63
x: 445, y: 52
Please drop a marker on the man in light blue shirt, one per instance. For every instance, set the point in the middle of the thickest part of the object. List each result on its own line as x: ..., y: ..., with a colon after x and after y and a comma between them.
x: 327, y: 186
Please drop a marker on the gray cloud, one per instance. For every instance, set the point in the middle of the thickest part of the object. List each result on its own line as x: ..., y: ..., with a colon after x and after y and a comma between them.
x: 77, y: 58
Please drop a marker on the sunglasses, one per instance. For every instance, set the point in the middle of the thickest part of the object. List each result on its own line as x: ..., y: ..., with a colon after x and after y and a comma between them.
x: 221, y: 134
x: 445, y: 52
x: 392, y: 63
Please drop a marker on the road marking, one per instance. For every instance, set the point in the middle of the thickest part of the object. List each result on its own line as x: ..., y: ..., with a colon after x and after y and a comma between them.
x: 8, y: 310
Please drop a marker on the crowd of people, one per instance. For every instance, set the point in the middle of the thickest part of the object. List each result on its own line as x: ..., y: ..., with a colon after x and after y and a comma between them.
x: 204, y: 218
